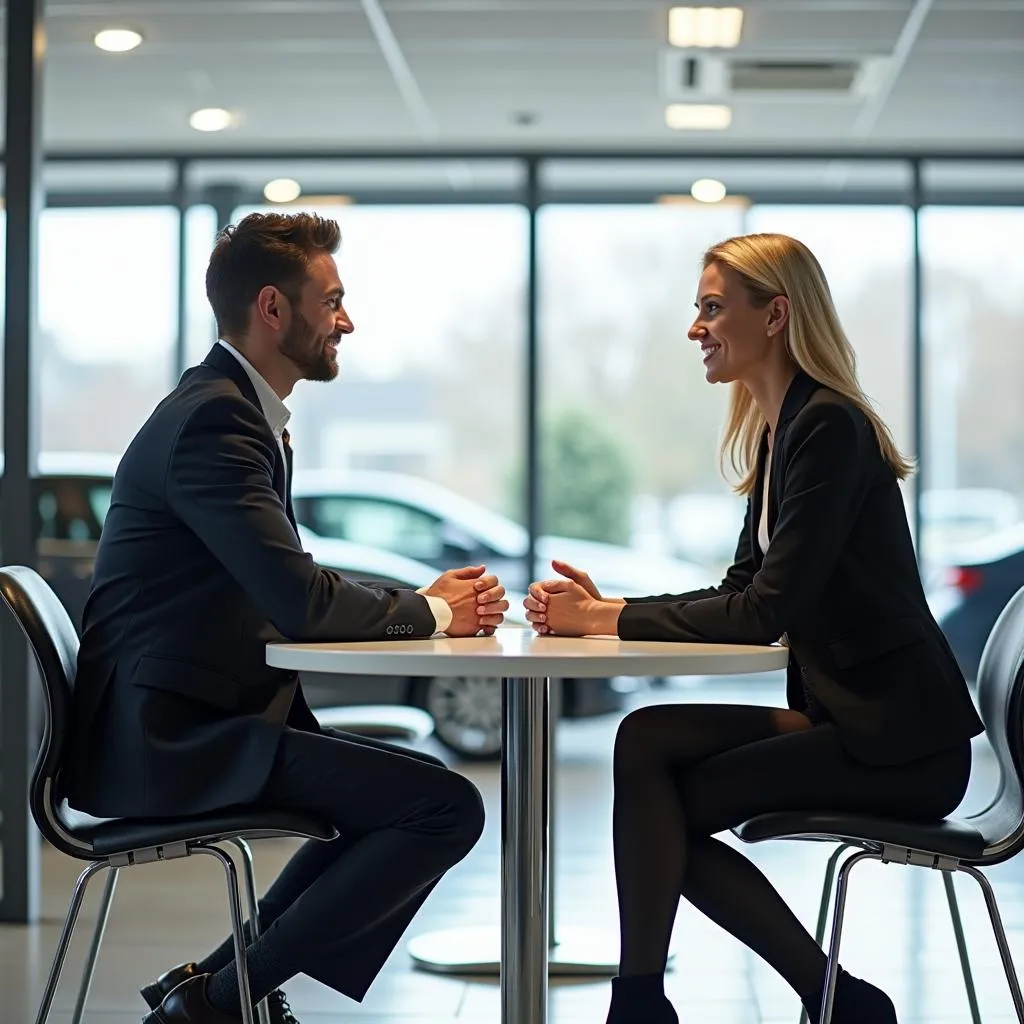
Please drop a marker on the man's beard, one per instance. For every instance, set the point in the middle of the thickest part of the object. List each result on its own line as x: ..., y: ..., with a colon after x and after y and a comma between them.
x: 308, y: 350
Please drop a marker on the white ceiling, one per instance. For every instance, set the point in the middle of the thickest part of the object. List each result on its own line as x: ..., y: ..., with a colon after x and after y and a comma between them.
x: 333, y: 74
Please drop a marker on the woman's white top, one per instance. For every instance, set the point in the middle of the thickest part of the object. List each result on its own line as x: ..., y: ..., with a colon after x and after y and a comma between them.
x: 762, y: 526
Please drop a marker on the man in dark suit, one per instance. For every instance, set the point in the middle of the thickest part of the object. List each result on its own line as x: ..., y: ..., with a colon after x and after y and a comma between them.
x: 199, y: 566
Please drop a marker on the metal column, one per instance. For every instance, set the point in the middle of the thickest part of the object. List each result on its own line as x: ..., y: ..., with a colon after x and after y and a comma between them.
x: 532, y: 454
x: 918, y: 367
x: 181, y: 331
x: 224, y: 199
x: 19, y: 899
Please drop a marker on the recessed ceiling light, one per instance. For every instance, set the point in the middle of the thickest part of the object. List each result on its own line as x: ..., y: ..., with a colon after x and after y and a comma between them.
x: 117, y: 40
x: 705, y: 26
x: 211, y: 119
x: 698, y: 116
x: 708, y: 190
x: 282, y: 190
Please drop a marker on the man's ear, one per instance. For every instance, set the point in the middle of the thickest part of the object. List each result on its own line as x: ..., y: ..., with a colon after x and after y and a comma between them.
x: 269, y: 303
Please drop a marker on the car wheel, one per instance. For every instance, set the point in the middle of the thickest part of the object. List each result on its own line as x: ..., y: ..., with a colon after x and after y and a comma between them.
x: 466, y: 711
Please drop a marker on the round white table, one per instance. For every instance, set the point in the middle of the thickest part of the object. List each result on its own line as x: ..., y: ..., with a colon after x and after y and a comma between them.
x: 525, y: 663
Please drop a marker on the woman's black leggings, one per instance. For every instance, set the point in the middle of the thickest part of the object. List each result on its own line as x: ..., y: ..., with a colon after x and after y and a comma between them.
x: 685, y: 772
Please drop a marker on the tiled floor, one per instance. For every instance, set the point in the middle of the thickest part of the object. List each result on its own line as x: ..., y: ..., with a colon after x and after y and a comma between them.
x: 898, y: 932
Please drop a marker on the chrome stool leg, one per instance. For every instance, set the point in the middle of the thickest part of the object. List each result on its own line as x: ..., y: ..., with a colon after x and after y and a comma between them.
x: 826, y: 899
x: 102, y: 916
x: 961, y: 945
x: 832, y: 971
x: 250, y: 884
x: 65, y: 938
x: 249, y: 874
x: 237, y: 926
x: 1000, y: 934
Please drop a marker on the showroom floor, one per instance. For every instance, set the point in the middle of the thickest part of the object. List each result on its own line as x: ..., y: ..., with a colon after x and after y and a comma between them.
x: 898, y: 932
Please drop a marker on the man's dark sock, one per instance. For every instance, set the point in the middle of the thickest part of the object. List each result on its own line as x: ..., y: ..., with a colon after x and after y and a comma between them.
x: 223, y: 955
x: 304, y: 868
x: 266, y: 970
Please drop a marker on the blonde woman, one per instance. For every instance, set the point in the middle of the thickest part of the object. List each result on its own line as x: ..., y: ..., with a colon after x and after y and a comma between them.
x: 879, y: 718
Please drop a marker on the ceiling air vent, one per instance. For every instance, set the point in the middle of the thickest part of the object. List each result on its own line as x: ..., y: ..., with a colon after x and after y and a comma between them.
x: 695, y: 76
x: 792, y: 76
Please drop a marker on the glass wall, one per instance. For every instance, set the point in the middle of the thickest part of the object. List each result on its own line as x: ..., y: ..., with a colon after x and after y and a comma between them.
x: 200, y: 332
x: 3, y: 302
x: 974, y: 363
x: 867, y: 254
x: 630, y: 430
x: 108, y: 285
x: 418, y: 447
x: 973, y: 535
x: 629, y: 427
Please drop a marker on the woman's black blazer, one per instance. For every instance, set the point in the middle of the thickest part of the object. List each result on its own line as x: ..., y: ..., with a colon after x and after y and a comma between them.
x: 839, y: 581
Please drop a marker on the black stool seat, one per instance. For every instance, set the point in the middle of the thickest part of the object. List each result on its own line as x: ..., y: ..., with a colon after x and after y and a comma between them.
x: 128, y: 834
x: 948, y: 838
x: 952, y: 846
x: 112, y: 846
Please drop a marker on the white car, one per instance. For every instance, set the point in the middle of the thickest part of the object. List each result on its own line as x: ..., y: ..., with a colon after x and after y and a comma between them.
x: 432, y: 524
x: 73, y: 494
x: 466, y: 710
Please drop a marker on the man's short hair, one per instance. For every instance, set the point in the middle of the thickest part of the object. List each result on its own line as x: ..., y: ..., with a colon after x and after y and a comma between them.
x: 263, y: 249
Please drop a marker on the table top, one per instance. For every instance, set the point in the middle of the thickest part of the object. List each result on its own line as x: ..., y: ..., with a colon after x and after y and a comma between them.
x: 517, y: 652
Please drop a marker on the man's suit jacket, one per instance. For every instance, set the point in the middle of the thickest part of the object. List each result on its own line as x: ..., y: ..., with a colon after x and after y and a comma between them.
x: 199, y: 566
x: 840, y: 581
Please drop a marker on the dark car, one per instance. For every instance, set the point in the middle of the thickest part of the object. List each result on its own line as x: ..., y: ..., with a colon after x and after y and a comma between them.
x: 72, y: 497
x: 974, y: 588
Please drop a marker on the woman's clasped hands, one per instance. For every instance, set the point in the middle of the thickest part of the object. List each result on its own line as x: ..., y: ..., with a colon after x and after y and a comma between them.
x: 571, y: 605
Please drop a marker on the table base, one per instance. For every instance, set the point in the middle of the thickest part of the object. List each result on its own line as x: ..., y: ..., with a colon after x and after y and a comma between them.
x: 578, y: 951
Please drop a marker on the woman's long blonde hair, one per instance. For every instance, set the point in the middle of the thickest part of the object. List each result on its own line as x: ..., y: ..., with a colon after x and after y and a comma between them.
x: 770, y: 265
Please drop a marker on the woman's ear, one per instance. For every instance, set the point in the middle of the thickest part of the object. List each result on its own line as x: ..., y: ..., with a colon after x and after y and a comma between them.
x: 778, y: 315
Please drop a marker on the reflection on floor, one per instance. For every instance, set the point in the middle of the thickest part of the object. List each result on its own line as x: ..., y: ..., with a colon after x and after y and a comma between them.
x: 898, y: 932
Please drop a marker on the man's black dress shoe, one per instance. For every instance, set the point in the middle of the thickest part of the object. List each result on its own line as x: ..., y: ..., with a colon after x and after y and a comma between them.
x: 163, y: 986
x: 187, y: 1004
x: 277, y: 1002
x: 280, y: 1011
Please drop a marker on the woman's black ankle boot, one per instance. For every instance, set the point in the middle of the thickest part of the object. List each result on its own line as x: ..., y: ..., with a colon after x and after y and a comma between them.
x: 640, y: 999
x: 856, y: 1002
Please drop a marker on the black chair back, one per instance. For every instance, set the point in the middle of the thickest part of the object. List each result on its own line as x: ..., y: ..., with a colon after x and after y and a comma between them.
x: 1001, y: 702
x: 54, y: 642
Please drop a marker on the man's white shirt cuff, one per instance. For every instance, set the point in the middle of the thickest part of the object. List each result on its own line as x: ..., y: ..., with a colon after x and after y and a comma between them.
x: 439, y: 607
